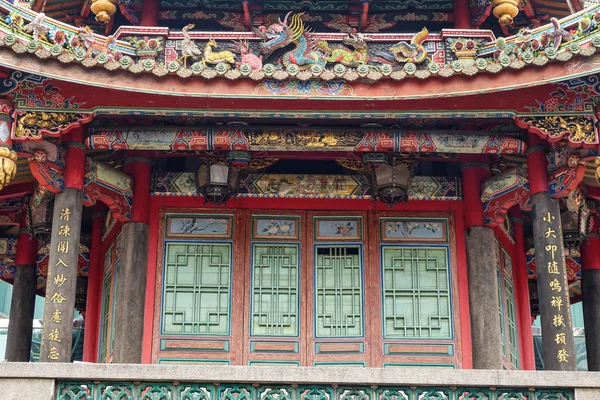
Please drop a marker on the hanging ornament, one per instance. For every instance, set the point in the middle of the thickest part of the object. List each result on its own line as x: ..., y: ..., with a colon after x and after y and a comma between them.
x: 505, y: 11
x: 104, y: 9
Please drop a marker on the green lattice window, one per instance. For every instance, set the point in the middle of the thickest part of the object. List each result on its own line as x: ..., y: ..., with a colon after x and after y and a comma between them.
x: 116, y: 273
x: 197, y: 288
x: 508, y: 314
x: 511, y: 317
x: 275, y: 289
x: 502, y: 315
x: 416, y: 294
x: 338, y: 291
x: 105, y: 313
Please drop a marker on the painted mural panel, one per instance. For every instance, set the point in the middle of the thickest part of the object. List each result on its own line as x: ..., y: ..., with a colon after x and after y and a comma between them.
x: 199, y: 226
x: 423, y: 230
x: 338, y: 228
x: 269, y: 227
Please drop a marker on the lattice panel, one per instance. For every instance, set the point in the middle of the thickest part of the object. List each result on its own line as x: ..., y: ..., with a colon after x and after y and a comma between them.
x: 416, y: 292
x: 502, y: 315
x: 511, y: 316
x: 197, y: 288
x: 106, y: 303
x: 275, y: 289
x: 226, y: 391
x: 338, y: 291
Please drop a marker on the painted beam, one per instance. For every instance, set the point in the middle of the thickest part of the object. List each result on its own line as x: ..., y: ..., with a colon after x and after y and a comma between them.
x: 275, y: 139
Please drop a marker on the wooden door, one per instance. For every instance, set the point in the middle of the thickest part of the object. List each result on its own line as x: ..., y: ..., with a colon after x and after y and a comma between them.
x: 338, y: 323
x: 275, y: 316
x: 199, y: 313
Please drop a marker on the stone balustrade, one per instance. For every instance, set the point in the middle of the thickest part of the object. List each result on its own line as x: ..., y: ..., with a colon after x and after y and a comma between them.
x: 43, y: 381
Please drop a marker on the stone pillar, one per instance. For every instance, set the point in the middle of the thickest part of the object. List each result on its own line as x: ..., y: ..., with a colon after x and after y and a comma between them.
x: 482, y: 264
x: 590, y: 286
x: 57, y: 333
x: 522, y: 292
x: 18, y: 341
x: 553, y: 289
x: 131, y: 284
x: 94, y: 294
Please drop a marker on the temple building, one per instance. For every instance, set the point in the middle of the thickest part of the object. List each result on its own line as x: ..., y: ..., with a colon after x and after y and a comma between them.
x: 260, y: 196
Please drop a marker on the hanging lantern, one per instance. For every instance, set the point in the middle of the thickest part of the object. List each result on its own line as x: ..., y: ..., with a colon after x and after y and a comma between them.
x: 104, y: 9
x: 576, y: 226
x: 217, y: 182
x: 42, y: 209
x: 505, y: 11
x: 392, y: 182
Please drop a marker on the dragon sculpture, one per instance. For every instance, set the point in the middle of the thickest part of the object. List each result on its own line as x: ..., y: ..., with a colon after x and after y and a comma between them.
x: 404, y: 52
x: 279, y: 35
x: 351, y: 54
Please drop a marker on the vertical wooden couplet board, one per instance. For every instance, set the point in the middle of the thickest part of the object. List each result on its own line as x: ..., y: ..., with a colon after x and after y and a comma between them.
x: 62, y: 277
x: 553, y: 288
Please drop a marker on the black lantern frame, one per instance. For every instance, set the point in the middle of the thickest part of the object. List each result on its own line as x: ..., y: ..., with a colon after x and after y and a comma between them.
x: 217, y: 182
x: 391, y: 181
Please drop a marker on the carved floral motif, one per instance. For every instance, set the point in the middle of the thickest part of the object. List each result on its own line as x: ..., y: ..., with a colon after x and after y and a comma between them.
x: 33, y: 124
x: 579, y: 129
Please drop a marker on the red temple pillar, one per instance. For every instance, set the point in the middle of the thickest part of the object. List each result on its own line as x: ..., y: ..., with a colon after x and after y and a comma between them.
x: 94, y: 294
x: 482, y: 261
x: 18, y: 342
x: 553, y: 289
x: 150, y: 13
x: 462, y: 14
x: 522, y: 292
x: 590, y: 285
x: 131, y: 284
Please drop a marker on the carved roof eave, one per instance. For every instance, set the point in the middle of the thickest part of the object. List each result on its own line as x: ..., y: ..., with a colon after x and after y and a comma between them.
x: 19, y: 42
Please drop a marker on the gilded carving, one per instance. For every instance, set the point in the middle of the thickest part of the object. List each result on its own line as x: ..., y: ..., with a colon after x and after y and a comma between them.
x: 31, y: 124
x: 314, y: 139
x: 580, y: 129
x: 8, y: 166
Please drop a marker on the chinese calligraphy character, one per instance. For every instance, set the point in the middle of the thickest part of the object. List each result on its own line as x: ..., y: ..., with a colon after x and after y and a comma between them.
x: 556, y: 302
x: 63, y: 247
x: 54, y: 335
x: 61, y: 263
x: 561, y: 338
x: 53, y: 354
x: 550, y: 232
x: 64, y: 214
x: 59, y: 280
x: 65, y: 230
x: 549, y: 217
x: 552, y: 248
x: 56, y: 317
x: 555, y: 285
x: 558, y: 321
x: 57, y: 298
x: 553, y: 267
x: 562, y: 356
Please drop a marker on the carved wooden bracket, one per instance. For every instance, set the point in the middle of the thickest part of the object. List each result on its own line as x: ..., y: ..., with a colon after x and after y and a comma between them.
x: 35, y: 125
x: 501, y: 192
x: 580, y: 130
x: 101, y: 182
x: 112, y: 187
